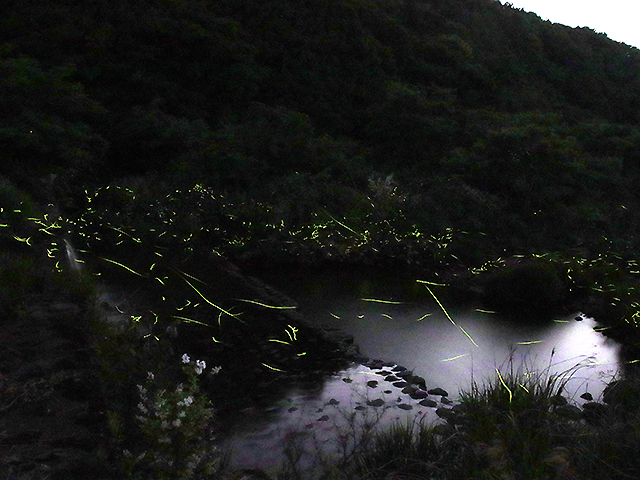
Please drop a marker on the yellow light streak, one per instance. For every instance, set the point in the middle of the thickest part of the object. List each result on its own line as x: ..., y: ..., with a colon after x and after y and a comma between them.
x: 381, y: 301
x: 424, y: 316
x: 279, y: 341
x: 484, y: 311
x: 454, y: 358
x: 432, y: 283
x: 450, y: 319
x: 206, y: 299
x: 23, y: 240
x: 505, y: 385
x: 532, y: 342
x: 386, y: 315
x: 334, y: 315
x: 272, y: 368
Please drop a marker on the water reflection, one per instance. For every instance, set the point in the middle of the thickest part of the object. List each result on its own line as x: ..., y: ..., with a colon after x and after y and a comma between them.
x: 411, y: 329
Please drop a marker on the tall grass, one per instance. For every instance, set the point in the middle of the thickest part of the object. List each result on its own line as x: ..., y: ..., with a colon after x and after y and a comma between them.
x: 511, y: 426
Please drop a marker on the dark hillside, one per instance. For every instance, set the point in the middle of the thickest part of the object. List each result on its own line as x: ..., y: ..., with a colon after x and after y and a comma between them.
x: 499, y: 121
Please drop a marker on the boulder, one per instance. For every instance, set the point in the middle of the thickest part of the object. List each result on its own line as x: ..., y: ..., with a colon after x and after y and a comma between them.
x: 409, y: 389
x: 587, y: 396
x: 418, y: 380
x: 404, y: 374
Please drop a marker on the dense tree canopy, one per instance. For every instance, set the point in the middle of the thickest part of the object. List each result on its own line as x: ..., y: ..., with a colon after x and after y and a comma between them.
x: 495, y: 119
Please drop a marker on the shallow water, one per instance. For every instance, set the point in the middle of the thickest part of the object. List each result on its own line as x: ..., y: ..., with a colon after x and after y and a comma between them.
x: 449, y: 351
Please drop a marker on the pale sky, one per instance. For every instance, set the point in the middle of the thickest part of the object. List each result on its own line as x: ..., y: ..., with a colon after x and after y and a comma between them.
x: 619, y: 19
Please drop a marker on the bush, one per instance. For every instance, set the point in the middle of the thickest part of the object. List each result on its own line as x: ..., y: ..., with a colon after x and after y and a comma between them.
x: 531, y: 287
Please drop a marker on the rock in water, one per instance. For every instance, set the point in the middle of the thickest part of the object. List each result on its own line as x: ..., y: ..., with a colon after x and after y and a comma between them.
x: 427, y: 402
x: 438, y: 391
x: 418, y: 394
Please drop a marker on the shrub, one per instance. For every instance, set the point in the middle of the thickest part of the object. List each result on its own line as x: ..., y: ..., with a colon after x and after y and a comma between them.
x: 531, y: 287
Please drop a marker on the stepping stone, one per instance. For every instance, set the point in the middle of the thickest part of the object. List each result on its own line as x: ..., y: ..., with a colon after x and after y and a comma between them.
x: 359, y: 407
x: 347, y: 380
x: 388, y: 391
x: 587, y: 396
x: 409, y: 389
x: 438, y: 391
x: 404, y: 406
x: 427, y: 402
x: 417, y: 380
x: 391, y: 378
x: 398, y: 368
x: 333, y: 401
x: 372, y: 383
x: 378, y: 402
x: 400, y: 384
x: 323, y: 418
x: 404, y: 374
x: 418, y: 394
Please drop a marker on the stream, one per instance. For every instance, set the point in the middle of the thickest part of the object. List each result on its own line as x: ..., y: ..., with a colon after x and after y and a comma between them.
x: 398, y: 321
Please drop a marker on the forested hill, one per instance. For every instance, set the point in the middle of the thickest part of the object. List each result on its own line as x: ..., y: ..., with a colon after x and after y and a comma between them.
x: 489, y: 118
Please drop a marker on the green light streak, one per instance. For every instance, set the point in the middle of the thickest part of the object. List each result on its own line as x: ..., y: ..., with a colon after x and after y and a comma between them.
x: 123, y: 266
x: 190, y: 320
x: 205, y: 298
x: 424, y: 316
x: 279, y: 341
x: 265, y: 305
x: 484, y: 311
x: 529, y: 343
x: 272, y: 368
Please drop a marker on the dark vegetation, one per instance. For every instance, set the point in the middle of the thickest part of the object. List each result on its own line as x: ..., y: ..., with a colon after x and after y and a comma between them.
x: 463, y: 141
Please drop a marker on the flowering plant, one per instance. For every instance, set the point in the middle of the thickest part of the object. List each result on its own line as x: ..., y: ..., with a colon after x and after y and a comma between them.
x: 174, y: 424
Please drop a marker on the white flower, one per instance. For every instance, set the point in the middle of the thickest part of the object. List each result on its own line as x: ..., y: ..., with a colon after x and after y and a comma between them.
x: 215, y: 370
x: 181, y: 415
x: 177, y: 422
x: 142, y: 408
x: 185, y: 358
x: 179, y: 388
x: 186, y: 402
x: 150, y: 375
